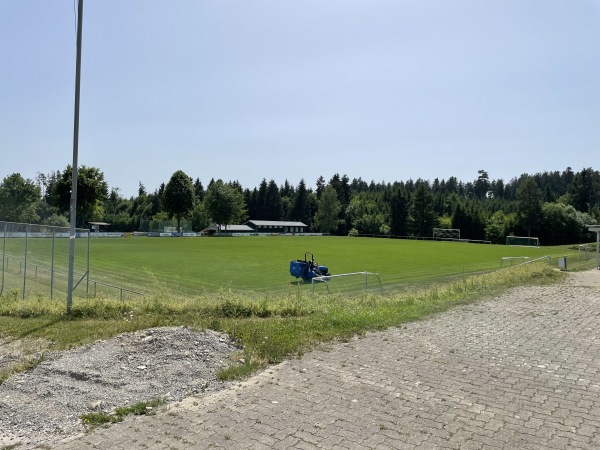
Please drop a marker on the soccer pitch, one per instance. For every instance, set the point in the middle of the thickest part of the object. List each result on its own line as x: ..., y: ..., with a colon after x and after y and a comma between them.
x: 193, y: 266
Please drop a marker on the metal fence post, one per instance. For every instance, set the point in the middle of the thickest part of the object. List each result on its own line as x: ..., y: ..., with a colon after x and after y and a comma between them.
x: 52, y: 265
x: 87, y: 279
x: 25, y: 259
x: 3, y: 257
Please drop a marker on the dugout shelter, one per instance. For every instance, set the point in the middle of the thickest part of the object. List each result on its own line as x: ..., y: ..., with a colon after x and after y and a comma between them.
x: 96, y: 227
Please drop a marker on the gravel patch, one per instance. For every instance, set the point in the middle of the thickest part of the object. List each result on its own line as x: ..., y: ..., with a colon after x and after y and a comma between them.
x: 44, y: 405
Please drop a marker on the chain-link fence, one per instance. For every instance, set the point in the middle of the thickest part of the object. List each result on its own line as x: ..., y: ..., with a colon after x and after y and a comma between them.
x: 35, y: 260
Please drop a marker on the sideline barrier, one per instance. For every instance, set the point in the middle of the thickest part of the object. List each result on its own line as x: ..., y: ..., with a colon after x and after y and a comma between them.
x: 531, y: 261
x: 326, y: 279
x: 513, y: 258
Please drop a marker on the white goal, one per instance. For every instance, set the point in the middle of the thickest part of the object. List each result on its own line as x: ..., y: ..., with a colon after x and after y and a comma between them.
x: 446, y: 234
x: 523, y: 241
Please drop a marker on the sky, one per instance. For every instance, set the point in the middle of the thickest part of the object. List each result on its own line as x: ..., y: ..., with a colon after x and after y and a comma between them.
x: 241, y: 90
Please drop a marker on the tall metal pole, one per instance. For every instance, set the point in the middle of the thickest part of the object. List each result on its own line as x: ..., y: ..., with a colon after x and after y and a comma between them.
x: 25, y: 260
x: 75, y: 153
x: 52, y: 266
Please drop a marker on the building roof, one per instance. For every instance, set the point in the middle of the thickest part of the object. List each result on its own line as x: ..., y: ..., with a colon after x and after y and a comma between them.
x: 276, y: 223
x: 236, y: 228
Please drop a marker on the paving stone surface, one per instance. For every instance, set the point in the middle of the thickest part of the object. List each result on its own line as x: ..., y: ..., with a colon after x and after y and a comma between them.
x: 518, y: 371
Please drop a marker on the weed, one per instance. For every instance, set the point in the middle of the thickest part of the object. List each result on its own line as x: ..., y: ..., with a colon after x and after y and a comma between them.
x: 95, y: 419
x: 238, y: 371
x: 21, y: 366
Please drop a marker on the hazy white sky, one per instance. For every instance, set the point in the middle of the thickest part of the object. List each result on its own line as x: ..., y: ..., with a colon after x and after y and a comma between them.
x: 244, y: 90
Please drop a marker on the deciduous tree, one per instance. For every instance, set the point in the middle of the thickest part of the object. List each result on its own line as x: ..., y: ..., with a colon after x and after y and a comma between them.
x: 224, y: 203
x: 18, y: 199
x: 178, y: 198
x: 92, y: 191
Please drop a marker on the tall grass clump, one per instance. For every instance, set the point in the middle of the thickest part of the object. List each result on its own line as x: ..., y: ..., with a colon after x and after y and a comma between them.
x: 93, y: 420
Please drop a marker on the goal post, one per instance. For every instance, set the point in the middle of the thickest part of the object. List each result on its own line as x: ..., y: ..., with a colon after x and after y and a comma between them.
x: 523, y: 241
x: 446, y: 234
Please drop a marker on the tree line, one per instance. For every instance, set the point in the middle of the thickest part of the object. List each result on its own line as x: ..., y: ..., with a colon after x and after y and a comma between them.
x: 554, y: 206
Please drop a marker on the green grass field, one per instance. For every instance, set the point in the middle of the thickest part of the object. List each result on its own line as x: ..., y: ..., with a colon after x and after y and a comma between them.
x: 198, y: 266
x: 261, y: 264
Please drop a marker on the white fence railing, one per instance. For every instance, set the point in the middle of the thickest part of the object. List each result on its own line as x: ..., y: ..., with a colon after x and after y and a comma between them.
x: 327, y: 278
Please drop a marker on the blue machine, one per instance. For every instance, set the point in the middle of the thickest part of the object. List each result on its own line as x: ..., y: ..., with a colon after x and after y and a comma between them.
x: 307, y: 269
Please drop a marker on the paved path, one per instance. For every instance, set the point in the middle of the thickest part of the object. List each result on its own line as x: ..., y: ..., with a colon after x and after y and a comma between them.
x: 520, y: 371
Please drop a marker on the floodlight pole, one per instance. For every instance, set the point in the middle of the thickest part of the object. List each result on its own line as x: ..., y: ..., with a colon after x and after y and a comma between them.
x: 75, y: 173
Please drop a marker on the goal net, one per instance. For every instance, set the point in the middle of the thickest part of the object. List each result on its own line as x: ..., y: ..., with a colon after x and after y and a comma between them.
x: 523, y: 241
x: 446, y: 234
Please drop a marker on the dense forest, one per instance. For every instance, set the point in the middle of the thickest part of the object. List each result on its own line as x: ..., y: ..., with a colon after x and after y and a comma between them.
x: 554, y: 206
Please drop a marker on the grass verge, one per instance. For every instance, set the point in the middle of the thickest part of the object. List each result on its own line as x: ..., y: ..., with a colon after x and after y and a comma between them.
x: 93, y: 420
x: 268, y: 329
